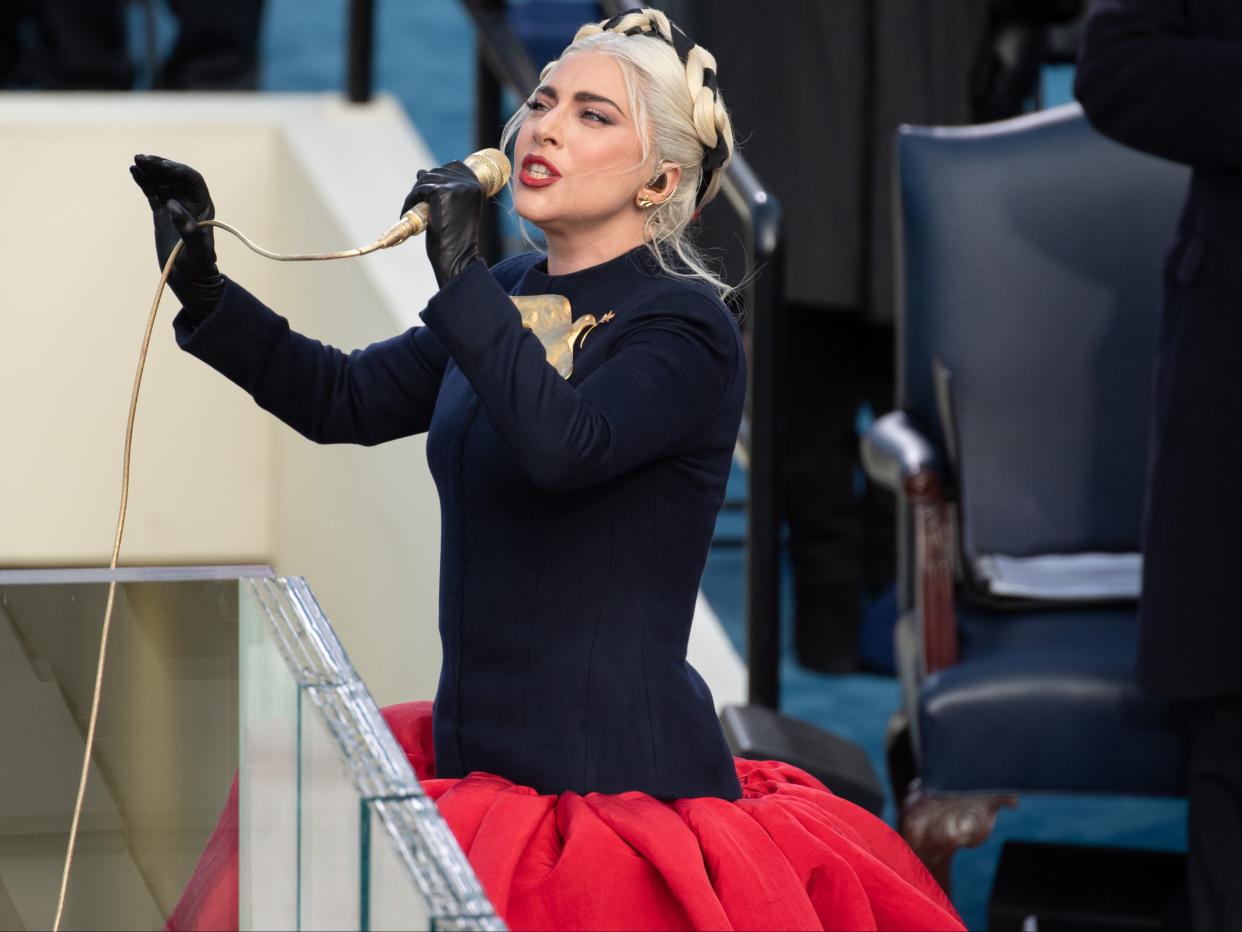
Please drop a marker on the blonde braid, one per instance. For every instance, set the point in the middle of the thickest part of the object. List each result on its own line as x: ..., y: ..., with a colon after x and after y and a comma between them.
x: 711, y: 119
x: 708, y: 114
x: 590, y: 29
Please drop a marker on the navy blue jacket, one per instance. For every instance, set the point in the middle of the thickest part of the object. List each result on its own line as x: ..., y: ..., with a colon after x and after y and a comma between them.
x: 1165, y: 77
x: 576, y: 515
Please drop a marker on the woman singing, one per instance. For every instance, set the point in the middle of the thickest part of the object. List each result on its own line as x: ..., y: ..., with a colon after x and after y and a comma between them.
x: 576, y: 754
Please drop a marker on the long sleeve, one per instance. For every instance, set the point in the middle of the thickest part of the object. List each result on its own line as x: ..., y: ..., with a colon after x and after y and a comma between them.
x: 662, y: 383
x: 383, y: 392
x: 1145, y: 79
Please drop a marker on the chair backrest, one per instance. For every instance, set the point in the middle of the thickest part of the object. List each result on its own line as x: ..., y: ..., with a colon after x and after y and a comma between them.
x: 1029, y: 294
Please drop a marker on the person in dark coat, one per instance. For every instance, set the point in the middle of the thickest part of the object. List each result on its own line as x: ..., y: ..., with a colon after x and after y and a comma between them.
x: 860, y: 67
x: 1165, y: 76
x: 863, y: 67
x: 575, y: 752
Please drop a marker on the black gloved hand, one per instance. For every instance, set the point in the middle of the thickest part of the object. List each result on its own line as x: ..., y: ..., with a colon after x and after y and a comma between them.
x: 179, y: 200
x: 454, y: 197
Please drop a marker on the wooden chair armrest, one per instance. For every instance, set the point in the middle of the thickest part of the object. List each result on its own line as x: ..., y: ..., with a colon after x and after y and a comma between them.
x: 897, y: 455
x: 933, y: 560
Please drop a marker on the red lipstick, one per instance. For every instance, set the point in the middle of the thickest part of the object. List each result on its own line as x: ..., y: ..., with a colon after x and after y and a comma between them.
x: 537, y: 172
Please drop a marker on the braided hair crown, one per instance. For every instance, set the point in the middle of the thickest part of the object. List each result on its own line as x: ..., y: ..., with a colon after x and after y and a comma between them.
x: 708, y: 113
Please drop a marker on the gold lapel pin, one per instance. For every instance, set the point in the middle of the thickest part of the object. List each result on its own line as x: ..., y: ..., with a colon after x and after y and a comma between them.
x: 603, y: 320
x: 550, y: 318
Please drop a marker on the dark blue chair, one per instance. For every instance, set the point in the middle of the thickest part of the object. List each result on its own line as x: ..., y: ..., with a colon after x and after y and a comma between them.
x: 1029, y: 280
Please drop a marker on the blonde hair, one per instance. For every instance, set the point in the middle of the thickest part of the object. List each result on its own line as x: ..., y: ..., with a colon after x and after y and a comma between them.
x: 680, y: 117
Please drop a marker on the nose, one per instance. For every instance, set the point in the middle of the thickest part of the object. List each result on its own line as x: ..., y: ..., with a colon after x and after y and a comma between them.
x: 546, y: 131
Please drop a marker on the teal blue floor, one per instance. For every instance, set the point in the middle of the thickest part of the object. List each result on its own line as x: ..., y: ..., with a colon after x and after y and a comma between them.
x: 424, y: 56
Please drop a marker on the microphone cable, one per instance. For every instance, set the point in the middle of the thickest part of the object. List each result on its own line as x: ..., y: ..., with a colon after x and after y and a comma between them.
x: 493, y: 170
x: 397, y: 234
x: 124, y: 503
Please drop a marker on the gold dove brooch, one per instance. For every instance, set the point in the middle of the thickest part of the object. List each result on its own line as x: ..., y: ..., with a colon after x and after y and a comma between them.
x: 550, y: 318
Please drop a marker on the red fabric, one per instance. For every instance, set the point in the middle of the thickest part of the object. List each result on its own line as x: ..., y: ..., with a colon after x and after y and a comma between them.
x: 788, y: 855
x: 209, y: 900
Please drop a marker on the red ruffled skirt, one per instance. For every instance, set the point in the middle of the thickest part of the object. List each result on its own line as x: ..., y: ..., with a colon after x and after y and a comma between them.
x: 787, y: 855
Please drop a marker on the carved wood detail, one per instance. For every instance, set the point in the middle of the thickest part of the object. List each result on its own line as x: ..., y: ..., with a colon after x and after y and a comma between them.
x: 935, y: 826
x: 933, y: 560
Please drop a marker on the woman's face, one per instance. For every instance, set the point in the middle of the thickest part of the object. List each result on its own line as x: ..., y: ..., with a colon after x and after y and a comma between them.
x: 578, y: 156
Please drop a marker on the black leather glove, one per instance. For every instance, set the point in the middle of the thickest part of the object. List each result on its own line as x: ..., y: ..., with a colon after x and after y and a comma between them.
x: 454, y: 197
x: 179, y: 200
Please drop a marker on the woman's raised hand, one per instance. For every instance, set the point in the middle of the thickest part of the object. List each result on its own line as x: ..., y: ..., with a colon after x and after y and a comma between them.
x: 179, y: 201
x: 454, y: 199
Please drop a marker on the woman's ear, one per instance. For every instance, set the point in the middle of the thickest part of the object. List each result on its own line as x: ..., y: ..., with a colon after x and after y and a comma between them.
x: 660, y: 188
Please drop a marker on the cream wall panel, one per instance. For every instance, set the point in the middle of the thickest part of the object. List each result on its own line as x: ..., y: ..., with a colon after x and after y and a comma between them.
x: 79, y: 277
x: 215, y: 479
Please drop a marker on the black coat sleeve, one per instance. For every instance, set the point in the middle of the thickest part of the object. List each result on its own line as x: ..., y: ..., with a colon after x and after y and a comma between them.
x: 655, y: 395
x: 1145, y: 79
x: 383, y: 392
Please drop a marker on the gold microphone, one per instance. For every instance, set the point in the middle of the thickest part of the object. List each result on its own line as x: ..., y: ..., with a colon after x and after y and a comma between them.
x: 493, y: 170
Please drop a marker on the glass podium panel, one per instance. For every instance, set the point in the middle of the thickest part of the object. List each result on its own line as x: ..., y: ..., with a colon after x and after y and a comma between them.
x: 331, y: 830
x: 268, y: 797
x: 214, y: 674
x: 390, y: 903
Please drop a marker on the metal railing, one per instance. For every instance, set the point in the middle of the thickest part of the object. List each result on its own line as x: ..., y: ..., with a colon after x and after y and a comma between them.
x: 502, y: 61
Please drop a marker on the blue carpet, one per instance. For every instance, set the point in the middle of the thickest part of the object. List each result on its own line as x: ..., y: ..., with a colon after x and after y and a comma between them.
x: 424, y: 57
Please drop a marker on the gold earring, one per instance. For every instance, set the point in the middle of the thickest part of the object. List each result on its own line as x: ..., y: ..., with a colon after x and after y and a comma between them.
x: 645, y: 202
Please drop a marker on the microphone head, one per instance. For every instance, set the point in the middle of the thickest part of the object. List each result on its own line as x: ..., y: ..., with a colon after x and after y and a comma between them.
x: 492, y: 168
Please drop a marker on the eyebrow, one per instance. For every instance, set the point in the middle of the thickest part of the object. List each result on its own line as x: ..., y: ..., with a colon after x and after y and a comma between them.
x: 582, y: 97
